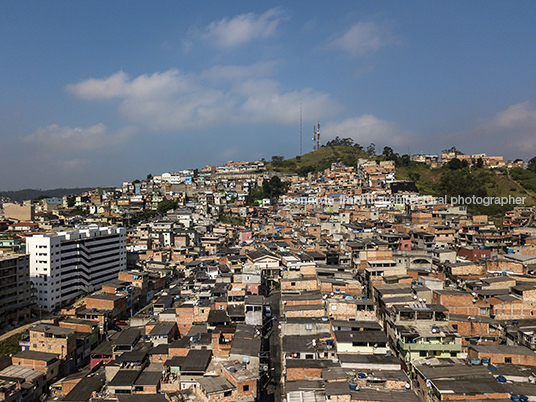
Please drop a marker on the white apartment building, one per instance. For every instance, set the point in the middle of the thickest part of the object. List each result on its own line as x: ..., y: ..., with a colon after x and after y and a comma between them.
x: 64, y: 265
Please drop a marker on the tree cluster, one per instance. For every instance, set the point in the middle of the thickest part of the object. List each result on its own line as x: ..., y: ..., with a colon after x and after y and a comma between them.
x: 347, y: 142
x: 272, y: 188
x: 531, y: 165
x: 166, y: 205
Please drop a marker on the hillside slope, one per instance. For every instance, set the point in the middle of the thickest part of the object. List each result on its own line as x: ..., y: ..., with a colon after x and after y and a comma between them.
x: 317, y: 161
x: 481, y: 182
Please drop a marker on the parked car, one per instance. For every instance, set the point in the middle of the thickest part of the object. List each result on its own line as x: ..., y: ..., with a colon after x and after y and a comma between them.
x: 267, y: 310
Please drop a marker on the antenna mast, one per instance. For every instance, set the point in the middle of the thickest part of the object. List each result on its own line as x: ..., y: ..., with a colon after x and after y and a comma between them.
x: 318, y: 137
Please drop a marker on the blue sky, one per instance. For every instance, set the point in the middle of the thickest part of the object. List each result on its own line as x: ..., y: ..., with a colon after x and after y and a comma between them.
x: 101, y: 92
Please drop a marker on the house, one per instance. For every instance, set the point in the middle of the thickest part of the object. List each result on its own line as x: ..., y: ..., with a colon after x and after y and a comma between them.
x: 215, y: 389
x: 503, y: 354
x: 52, y: 339
x: 361, y: 342
x: 48, y: 363
x: 421, y: 330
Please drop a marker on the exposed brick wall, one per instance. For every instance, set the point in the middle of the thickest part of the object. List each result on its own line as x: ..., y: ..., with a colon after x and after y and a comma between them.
x: 319, y: 312
x: 505, y: 266
x: 515, y: 309
x: 301, y: 284
x: 496, y: 358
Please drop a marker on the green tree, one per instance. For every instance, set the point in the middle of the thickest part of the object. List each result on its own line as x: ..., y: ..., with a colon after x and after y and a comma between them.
x: 455, y: 164
x: 387, y: 151
x: 145, y: 215
x: 166, y: 205
x: 454, y: 183
x: 389, y: 154
x: 149, y: 176
x: 255, y: 194
x: 414, y: 176
x: 357, y: 146
x: 454, y: 150
x: 71, y: 201
x: 371, y: 149
x: 531, y: 165
x: 404, y: 160
x: 305, y: 170
x: 79, y: 211
x: 233, y: 220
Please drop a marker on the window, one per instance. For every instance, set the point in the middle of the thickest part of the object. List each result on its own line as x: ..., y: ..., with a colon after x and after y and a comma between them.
x: 227, y: 393
x: 308, y: 326
x: 245, y: 388
x: 309, y: 356
x: 508, y: 360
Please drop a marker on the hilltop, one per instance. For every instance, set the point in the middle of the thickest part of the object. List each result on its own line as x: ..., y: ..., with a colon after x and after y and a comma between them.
x: 317, y: 161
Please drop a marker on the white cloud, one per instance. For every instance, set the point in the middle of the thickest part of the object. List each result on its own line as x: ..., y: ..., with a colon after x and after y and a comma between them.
x: 176, y: 101
x: 119, y: 85
x: 99, y: 89
x: 368, y: 129
x: 516, y: 117
x: 266, y: 103
x: 60, y: 139
x: 512, y: 132
x: 229, y: 33
x: 363, y: 38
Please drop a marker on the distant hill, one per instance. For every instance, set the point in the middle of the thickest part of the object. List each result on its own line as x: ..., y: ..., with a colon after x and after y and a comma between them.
x: 31, y: 194
x: 317, y: 161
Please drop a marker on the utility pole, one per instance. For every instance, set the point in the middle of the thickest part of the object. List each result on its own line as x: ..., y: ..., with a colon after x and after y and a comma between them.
x: 300, y: 127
